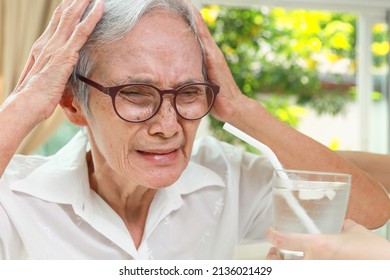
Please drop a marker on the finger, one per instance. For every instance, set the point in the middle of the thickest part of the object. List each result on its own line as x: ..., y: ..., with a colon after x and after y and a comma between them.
x: 273, y: 254
x: 64, y: 57
x: 216, y: 65
x: 43, y: 39
x: 55, y: 19
x: 204, y: 34
x: 288, y: 241
x: 85, y: 28
x: 348, y: 224
x: 69, y: 19
x: 201, y: 26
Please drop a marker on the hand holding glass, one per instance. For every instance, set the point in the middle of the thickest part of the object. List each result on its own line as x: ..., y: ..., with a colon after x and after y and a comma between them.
x: 323, y: 196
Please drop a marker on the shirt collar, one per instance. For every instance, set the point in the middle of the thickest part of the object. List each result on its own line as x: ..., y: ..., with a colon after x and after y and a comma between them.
x: 195, y: 177
x: 61, y: 177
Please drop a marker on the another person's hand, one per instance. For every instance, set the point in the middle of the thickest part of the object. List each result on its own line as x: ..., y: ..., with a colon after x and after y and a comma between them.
x: 354, y: 242
x: 54, y: 55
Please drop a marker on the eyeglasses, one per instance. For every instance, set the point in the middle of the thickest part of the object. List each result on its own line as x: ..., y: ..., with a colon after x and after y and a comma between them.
x: 139, y: 102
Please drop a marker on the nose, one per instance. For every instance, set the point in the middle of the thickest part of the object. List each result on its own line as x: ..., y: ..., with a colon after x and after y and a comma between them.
x: 165, y: 122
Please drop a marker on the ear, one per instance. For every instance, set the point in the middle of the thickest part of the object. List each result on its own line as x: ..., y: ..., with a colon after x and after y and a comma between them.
x: 72, y: 108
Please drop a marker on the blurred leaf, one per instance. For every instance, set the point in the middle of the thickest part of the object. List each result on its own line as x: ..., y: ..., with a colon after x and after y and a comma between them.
x: 335, y: 144
x: 277, y: 54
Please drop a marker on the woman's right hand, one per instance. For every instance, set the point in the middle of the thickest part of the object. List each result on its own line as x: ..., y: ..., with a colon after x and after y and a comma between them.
x: 47, y: 71
x: 54, y: 55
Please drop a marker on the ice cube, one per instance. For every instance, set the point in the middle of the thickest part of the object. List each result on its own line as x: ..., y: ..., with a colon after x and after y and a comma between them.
x: 311, y: 194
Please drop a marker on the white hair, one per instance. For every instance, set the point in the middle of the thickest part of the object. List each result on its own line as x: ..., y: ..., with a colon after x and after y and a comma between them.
x: 119, y: 17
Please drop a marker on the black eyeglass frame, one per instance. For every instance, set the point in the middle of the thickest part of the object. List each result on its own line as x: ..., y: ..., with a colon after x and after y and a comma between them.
x: 113, y: 91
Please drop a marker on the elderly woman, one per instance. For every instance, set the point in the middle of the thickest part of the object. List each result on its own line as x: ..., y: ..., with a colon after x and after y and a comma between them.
x: 139, y: 75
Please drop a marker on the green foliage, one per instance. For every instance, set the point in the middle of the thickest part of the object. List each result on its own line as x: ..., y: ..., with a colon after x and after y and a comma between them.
x: 275, y: 52
x: 282, y: 109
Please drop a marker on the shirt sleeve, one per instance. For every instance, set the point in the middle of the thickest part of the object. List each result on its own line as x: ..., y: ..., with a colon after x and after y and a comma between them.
x: 11, y: 245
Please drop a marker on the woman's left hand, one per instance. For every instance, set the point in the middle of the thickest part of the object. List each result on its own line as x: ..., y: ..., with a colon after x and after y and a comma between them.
x: 230, y: 100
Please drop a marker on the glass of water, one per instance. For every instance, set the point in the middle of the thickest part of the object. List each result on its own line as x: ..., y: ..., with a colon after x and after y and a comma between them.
x: 309, y: 202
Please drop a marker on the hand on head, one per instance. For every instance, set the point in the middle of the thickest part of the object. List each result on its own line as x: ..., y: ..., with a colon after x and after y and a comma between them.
x: 230, y: 98
x: 55, y: 53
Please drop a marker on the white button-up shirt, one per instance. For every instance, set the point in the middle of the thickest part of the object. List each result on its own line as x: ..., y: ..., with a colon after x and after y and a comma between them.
x: 48, y: 210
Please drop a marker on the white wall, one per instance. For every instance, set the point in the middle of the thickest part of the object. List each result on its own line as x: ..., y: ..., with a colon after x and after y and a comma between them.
x: 345, y: 128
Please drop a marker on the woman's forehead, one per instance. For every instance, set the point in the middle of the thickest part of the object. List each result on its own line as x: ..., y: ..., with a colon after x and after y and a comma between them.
x: 153, y: 45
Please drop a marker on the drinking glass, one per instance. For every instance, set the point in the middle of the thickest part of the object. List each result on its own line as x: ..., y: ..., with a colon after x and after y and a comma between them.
x: 309, y: 202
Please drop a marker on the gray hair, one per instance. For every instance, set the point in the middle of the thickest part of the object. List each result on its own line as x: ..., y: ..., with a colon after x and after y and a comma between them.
x: 119, y: 17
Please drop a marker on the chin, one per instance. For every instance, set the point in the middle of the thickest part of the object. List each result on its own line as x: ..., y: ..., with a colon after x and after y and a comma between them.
x: 165, y: 182
x: 160, y: 180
